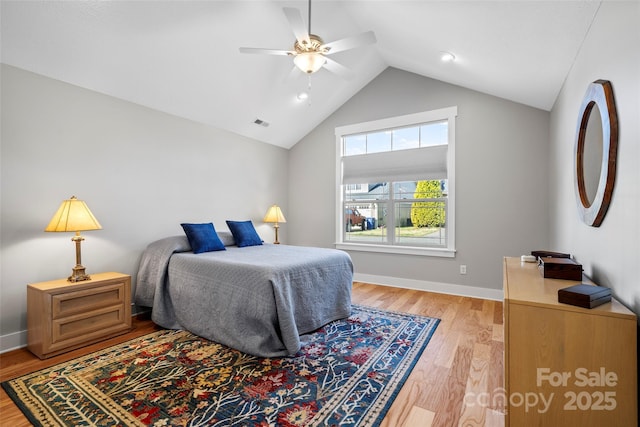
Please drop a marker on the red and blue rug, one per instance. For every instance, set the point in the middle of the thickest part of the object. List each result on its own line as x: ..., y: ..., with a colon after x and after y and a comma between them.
x: 346, y: 373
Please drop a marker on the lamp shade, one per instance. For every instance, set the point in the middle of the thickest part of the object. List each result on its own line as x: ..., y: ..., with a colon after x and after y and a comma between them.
x: 274, y: 214
x: 73, y: 215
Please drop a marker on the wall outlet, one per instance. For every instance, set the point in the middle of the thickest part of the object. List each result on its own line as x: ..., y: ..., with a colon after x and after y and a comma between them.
x: 463, y: 269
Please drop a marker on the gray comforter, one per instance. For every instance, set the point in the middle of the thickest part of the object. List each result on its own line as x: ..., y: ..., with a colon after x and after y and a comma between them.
x: 257, y: 299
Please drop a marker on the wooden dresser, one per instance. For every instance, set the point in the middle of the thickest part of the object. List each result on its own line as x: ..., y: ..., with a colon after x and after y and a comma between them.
x: 565, y: 365
x: 62, y: 316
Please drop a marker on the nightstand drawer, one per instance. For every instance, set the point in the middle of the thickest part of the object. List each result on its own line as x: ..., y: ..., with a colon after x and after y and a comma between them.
x: 87, y: 326
x: 70, y: 303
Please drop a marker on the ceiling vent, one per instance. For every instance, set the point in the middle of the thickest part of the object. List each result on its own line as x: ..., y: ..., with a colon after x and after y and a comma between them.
x: 261, y: 123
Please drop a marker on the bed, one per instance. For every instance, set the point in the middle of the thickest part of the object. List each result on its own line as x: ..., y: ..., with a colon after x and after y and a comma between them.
x: 257, y: 299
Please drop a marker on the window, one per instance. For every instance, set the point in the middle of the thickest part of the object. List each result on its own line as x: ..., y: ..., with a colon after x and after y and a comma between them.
x: 395, y: 184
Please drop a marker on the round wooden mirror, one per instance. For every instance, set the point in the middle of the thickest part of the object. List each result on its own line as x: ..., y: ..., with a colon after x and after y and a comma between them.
x: 595, y: 152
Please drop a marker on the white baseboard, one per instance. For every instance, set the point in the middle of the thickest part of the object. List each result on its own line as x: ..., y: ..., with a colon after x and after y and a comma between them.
x: 423, y: 285
x: 13, y: 341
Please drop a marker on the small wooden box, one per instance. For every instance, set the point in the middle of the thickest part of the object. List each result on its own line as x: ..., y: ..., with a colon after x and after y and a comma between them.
x: 560, y: 268
x: 550, y: 254
x: 584, y: 295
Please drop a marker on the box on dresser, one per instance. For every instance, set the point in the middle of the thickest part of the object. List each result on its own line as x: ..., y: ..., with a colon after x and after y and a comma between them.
x: 560, y: 268
x: 550, y: 254
x: 584, y: 295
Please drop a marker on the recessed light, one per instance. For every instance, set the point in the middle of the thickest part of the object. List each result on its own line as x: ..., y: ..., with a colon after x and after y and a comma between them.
x: 447, y: 56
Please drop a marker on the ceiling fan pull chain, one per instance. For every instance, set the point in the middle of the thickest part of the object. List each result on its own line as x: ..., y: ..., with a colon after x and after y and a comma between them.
x: 309, y: 87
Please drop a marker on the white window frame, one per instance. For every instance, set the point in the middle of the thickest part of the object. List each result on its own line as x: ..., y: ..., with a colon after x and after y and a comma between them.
x: 449, y: 114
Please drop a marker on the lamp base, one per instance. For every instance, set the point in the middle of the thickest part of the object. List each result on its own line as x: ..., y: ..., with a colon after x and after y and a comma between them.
x: 78, y: 275
x: 78, y: 271
x: 276, y: 226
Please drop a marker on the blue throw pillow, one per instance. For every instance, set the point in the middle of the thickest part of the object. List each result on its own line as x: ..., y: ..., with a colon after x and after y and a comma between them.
x: 244, y: 233
x: 202, y: 238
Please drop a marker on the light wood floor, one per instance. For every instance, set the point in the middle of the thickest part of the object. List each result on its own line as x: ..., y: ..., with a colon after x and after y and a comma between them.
x: 463, y: 358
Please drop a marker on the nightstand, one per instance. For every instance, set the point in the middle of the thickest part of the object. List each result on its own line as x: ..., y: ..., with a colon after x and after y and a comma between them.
x: 62, y: 316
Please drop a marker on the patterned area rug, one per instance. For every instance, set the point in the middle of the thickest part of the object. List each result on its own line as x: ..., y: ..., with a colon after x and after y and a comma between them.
x: 347, y: 373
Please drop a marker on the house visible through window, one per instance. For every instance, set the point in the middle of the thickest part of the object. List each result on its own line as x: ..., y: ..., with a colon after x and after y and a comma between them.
x: 395, y: 184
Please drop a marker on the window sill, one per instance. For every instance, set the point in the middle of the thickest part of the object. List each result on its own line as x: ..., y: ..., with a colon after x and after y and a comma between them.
x: 402, y: 250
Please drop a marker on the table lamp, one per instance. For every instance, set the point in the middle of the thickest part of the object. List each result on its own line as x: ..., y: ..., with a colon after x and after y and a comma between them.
x: 274, y: 215
x: 74, y: 215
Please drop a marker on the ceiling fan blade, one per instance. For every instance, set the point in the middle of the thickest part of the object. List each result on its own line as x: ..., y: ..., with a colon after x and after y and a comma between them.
x: 363, y: 39
x: 297, y: 25
x: 338, y: 69
x: 266, y: 51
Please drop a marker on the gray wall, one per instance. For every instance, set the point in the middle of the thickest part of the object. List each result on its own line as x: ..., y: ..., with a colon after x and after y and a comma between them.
x: 140, y: 171
x: 501, y: 181
x: 610, y: 254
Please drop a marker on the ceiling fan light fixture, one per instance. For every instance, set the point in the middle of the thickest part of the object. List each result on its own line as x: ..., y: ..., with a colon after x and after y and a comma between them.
x: 309, y: 62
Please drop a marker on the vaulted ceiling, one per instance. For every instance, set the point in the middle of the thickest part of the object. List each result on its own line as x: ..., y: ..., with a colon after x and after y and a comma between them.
x: 181, y: 57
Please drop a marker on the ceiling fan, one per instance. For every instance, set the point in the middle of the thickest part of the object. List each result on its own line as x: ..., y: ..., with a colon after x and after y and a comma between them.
x: 309, y: 50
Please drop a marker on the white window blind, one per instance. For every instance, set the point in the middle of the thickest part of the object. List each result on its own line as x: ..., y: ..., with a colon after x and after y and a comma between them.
x: 403, y: 165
